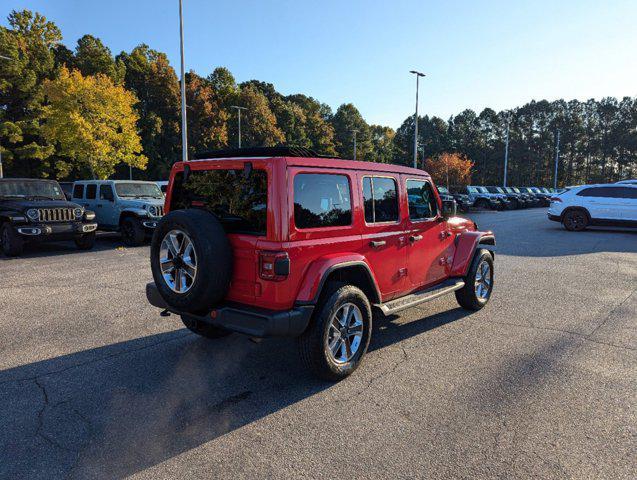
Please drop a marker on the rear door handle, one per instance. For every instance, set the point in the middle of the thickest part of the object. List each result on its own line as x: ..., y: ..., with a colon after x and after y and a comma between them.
x: 377, y: 243
x: 415, y: 238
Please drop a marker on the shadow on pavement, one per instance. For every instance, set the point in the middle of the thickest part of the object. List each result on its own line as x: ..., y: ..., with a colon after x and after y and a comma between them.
x: 115, y: 410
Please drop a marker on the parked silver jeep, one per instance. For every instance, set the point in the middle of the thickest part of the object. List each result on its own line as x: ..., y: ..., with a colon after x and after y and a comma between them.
x: 130, y: 207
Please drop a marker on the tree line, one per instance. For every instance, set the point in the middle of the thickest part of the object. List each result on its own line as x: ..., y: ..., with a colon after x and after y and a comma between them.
x: 86, y: 112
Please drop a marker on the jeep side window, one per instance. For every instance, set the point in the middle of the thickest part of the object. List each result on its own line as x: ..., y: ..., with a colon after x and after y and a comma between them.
x: 380, y: 199
x: 422, y: 202
x: 106, y: 193
x: 91, y: 190
x: 321, y: 200
x: 78, y: 191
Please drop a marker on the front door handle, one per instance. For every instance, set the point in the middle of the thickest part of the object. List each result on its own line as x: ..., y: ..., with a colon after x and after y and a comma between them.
x: 415, y: 238
x: 377, y: 243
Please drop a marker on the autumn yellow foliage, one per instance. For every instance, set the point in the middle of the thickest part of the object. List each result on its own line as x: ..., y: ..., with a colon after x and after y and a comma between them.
x: 449, y: 169
x: 93, y: 123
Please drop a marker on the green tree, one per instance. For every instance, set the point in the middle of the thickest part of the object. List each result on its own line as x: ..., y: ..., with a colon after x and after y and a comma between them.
x: 382, y: 143
x: 207, y: 121
x: 92, y: 122
x: 151, y: 78
x: 258, y: 123
x: 28, y: 42
x: 93, y: 57
x: 347, y: 119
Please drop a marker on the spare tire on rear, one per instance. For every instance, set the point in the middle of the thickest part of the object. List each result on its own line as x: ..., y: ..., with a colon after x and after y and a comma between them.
x: 191, y: 260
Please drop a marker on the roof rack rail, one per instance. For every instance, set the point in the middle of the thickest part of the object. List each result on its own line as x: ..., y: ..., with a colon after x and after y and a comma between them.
x: 260, y: 152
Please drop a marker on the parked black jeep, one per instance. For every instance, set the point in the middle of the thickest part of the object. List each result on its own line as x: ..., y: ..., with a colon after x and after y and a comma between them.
x: 33, y: 210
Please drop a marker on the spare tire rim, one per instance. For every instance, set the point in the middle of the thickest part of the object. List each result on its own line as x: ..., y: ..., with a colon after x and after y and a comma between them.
x: 345, y: 333
x: 483, y: 280
x: 178, y: 261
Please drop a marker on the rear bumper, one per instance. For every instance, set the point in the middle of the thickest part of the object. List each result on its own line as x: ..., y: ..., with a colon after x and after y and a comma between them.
x: 256, y: 322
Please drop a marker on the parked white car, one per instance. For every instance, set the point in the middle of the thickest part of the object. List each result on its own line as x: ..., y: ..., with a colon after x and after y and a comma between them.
x: 595, y: 205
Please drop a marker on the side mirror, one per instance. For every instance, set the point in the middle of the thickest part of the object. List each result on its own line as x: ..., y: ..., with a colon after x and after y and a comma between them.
x: 449, y: 208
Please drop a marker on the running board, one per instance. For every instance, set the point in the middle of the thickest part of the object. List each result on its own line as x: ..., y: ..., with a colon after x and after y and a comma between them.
x: 423, y: 296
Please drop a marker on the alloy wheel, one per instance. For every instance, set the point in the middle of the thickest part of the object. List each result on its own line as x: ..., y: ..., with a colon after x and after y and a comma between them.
x: 483, y: 280
x: 178, y: 261
x: 345, y: 333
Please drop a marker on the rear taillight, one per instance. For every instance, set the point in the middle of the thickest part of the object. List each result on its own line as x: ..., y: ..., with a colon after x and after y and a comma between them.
x: 274, y: 265
x: 555, y: 199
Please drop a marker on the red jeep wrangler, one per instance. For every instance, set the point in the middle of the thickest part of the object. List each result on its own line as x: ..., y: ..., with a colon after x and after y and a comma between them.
x: 281, y: 242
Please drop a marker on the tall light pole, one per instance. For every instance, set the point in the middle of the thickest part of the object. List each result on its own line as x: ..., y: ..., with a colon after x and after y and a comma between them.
x: 184, y: 129
x: 239, y: 116
x: 1, y: 171
x: 354, y: 132
x: 418, y: 75
x: 557, y: 159
x: 506, y: 152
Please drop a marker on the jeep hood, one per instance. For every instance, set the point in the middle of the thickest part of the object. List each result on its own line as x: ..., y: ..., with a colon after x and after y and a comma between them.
x: 20, y: 204
x: 140, y: 203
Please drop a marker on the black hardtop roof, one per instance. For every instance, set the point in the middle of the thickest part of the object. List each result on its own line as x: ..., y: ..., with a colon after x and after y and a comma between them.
x: 282, y: 151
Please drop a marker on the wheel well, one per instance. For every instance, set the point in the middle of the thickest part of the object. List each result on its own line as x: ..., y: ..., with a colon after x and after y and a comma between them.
x: 572, y: 209
x: 125, y: 215
x: 356, y: 275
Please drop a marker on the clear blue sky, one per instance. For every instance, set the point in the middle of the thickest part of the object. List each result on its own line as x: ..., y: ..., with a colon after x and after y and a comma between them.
x: 499, y: 54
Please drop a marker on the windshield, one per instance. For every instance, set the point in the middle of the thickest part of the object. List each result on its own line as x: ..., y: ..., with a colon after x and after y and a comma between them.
x: 138, y: 190
x: 32, y: 190
x: 443, y: 190
x: 472, y: 189
x: 483, y: 190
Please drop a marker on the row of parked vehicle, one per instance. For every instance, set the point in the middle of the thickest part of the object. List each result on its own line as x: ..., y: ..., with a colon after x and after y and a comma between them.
x: 36, y: 210
x: 498, y: 198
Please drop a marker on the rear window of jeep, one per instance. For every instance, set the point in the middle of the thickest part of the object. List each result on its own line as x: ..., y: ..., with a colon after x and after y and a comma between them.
x: 321, y: 200
x: 239, y: 200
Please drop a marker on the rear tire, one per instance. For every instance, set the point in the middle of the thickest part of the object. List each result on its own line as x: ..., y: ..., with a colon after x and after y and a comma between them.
x: 478, y: 282
x: 575, y: 220
x: 331, y: 347
x: 191, y: 260
x: 12, y: 244
x: 204, y: 329
x: 482, y: 203
x: 133, y: 232
x: 86, y: 241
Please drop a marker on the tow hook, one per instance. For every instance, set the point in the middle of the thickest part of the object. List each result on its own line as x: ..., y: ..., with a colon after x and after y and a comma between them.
x: 165, y: 313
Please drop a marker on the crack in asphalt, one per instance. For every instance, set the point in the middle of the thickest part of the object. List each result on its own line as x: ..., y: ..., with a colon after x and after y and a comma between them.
x: 375, y: 378
x: 611, y: 312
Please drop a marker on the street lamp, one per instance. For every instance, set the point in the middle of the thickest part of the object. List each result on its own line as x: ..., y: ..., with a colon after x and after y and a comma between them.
x: 354, y: 132
x: 1, y: 170
x: 418, y: 75
x: 184, y: 130
x: 239, y: 117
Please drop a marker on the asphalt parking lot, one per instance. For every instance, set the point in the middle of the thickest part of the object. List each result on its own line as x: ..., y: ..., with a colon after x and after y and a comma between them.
x: 541, y: 383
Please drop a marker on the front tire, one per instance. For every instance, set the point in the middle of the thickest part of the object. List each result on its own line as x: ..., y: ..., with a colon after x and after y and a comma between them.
x: 133, y: 232
x: 478, y: 282
x: 336, y: 341
x: 575, y: 220
x: 86, y: 241
x: 12, y: 244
